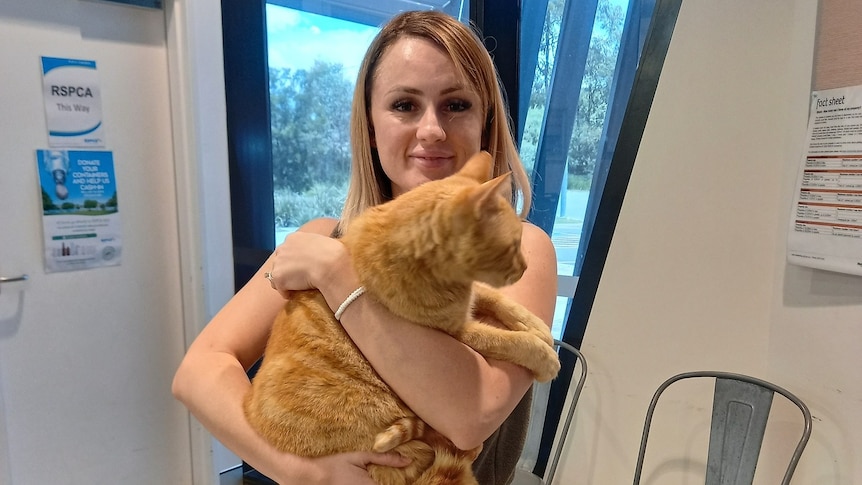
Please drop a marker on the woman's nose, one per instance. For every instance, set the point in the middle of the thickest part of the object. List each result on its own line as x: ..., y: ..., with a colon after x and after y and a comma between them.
x: 430, y: 128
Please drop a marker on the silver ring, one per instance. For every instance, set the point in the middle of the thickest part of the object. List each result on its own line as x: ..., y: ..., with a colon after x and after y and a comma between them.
x: 268, y: 275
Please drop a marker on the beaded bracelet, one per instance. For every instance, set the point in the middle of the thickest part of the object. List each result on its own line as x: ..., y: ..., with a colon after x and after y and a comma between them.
x: 347, y: 301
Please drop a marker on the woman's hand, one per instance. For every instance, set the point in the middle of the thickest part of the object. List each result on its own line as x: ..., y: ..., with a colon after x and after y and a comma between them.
x: 304, y: 259
x: 351, y: 468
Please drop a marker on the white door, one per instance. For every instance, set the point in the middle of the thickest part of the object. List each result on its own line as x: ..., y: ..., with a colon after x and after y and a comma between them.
x: 87, y: 357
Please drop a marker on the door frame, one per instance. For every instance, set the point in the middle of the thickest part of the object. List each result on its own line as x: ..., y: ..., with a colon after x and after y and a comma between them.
x: 196, y: 70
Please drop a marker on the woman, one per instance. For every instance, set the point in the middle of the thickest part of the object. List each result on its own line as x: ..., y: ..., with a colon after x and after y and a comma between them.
x: 427, y: 98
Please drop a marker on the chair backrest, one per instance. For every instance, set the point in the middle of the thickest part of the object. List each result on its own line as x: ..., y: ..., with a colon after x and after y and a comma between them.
x: 741, y: 407
x: 541, y: 392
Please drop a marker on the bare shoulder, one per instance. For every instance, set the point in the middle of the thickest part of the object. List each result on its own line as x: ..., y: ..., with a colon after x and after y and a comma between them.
x: 536, y: 242
x: 323, y: 225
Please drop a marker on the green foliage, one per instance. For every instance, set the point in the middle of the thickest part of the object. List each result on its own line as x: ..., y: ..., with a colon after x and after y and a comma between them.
x: 310, y: 114
x: 596, y: 88
x: 293, y: 209
x: 579, y: 182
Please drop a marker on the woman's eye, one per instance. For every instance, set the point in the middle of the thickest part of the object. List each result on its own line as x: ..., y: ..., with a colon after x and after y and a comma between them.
x: 403, y: 106
x: 459, y: 106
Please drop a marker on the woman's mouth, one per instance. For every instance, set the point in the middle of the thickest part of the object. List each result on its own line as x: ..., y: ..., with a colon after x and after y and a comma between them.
x: 432, y: 161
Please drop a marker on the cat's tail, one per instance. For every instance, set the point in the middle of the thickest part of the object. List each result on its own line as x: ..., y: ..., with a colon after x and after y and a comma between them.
x: 399, y: 432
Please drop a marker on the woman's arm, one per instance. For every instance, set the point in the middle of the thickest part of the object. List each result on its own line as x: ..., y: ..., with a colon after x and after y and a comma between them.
x: 212, y: 382
x: 450, y: 386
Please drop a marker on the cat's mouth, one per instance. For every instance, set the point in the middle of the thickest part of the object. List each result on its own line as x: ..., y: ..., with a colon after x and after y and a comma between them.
x: 515, y: 275
x: 498, y: 280
x: 517, y: 271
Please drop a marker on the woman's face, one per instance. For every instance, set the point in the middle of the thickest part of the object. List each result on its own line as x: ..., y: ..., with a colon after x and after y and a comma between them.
x: 426, y: 121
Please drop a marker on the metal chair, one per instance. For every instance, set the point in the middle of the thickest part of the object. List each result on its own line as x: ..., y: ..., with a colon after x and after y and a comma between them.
x: 741, y: 407
x: 526, y: 473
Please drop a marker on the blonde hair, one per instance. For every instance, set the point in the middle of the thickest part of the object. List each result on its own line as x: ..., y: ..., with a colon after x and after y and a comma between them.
x: 369, y: 185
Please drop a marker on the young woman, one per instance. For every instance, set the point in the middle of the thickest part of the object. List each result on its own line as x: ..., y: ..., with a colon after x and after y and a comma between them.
x: 427, y: 98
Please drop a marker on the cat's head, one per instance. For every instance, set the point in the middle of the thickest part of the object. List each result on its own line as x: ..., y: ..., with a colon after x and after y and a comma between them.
x: 487, y: 230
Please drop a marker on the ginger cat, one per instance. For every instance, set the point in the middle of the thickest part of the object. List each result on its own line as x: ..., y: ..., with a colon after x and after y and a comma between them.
x: 421, y: 256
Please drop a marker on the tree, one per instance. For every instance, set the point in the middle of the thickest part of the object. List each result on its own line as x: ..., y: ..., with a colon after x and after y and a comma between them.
x: 310, y: 115
x: 595, y: 85
x: 595, y: 88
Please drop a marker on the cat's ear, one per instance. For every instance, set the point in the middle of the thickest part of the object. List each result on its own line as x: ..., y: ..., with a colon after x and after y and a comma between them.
x: 478, y: 167
x: 484, y: 197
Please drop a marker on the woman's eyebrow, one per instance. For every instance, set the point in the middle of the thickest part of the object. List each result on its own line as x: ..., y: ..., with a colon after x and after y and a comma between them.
x: 412, y: 90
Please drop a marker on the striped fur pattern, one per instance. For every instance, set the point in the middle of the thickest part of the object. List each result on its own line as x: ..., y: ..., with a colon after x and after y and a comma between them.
x: 421, y: 256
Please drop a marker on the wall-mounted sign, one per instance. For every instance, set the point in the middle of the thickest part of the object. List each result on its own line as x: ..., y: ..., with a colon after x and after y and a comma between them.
x: 80, y: 215
x: 73, y: 104
x: 826, y: 217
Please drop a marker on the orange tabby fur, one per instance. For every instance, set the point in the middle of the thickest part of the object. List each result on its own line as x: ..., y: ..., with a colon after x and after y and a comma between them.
x: 420, y: 256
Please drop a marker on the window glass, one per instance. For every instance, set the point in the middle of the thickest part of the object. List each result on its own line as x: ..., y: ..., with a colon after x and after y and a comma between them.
x: 584, y: 121
x: 313, y: 63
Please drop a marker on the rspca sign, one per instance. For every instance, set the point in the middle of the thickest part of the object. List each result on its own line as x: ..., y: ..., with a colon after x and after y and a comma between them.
x: 73, y: 105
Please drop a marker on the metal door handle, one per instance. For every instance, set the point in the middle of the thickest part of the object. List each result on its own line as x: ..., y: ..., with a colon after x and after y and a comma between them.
x: 12, y: 279
x: 6, y: 279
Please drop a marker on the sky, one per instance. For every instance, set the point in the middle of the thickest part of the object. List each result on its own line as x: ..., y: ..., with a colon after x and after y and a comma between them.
x: 295, y: 39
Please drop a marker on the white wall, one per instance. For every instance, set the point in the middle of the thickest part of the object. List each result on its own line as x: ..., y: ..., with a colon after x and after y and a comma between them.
x: 96, y: 374
x: 696, y: 276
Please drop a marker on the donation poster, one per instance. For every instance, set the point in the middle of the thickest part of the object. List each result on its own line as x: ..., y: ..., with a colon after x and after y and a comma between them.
x: 826, y: 217
x: 80, y: 217
x: 73, y: 103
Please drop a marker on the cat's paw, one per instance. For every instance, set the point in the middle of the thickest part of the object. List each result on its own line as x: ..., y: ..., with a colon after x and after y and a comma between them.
x: 539, y: 329
x: 546, y: 365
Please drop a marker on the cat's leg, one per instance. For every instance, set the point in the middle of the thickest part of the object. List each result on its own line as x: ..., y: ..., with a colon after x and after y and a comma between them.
x: 523, y: 348
x: 491, y: 302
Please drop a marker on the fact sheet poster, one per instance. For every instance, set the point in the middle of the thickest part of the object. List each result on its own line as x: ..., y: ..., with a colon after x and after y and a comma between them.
x: 826, y: 217
x: 80, y: 215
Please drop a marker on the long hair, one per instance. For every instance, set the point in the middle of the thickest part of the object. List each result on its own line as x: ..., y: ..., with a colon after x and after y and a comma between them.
x: 369, y: 185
